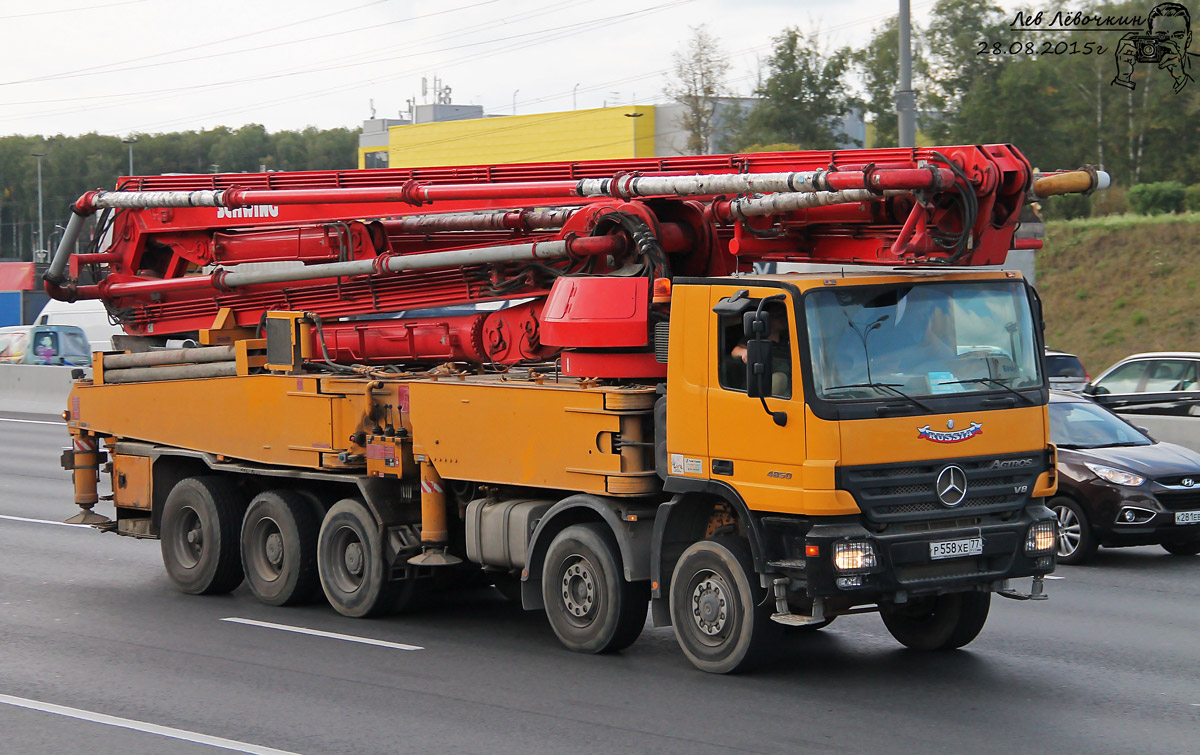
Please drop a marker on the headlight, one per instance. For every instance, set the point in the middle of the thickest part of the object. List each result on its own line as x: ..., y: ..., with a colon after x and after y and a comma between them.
x: 854, y: 555
x: 1041, y: 538
x: 1116, y: 476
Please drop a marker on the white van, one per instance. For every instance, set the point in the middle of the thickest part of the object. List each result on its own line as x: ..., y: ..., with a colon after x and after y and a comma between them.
x: 88, y: 314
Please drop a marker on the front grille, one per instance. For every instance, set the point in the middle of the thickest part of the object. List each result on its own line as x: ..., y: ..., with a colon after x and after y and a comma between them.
x: 959, y: 567
x: 1176, y: 481
x: 1179, y: 501
x: 970, y: 503
x: 905, y: 492
x: 868, y: 473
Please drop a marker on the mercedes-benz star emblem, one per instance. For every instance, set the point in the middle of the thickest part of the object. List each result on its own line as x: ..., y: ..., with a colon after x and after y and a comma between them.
x: 952, y: 486
x: 1188, y: 482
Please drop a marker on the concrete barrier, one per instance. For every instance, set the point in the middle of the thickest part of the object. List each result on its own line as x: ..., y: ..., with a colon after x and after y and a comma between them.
x: 1183, y: 431
x: 34, y: 389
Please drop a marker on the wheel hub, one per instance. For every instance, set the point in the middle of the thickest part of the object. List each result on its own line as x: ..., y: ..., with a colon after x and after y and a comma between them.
x: 195, y: 536
x: 274, y: 549
x: 578, y: 589
x: 354, y: 559
x: 1070, y: 531
x: 710, y: 606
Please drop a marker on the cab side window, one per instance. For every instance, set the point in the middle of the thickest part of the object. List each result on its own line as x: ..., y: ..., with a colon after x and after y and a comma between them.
x: 1169, y: 375
x: 1124, y: 379
x: 731, y: 356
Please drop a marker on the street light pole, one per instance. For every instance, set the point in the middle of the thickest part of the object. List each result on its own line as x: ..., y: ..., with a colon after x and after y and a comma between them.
x: 633, y: 117
x: 906, y: 105
x: 130, y: 141
x: 41, y: 238
x: 515, y: 101
x: 574, y: 97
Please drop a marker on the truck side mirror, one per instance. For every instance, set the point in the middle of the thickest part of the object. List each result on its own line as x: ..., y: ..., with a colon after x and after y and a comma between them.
x: 757, y: 329
x: 756, y: 325
x: 758, y: 367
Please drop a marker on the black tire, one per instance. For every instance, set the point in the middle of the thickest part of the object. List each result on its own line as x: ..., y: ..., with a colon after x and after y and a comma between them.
x: 944, y: 622
x: 1182, y: 549
x: 279, y: 548
x: 722, y: 622
x: 590, y: 606
x: 198, y: 535
x: 1076, y: 542
x: 351, y: 565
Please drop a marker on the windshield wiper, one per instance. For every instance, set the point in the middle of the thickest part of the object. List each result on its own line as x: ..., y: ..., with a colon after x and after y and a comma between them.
x: 990, y: 381
x: 888, y: 386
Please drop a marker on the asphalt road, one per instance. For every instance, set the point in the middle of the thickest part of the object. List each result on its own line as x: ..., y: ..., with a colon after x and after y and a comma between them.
x: 89, y: 622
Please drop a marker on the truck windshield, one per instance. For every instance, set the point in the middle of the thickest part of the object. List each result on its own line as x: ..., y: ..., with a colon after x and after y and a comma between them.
x: 922, y: 339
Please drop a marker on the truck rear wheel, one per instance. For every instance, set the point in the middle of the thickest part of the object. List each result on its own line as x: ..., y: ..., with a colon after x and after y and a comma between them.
x: 199, y: 535
x: 715, y: 607
x: 351, y: 564
x: 944, y: 622
x: 588, y: 602
x: 279, y: 548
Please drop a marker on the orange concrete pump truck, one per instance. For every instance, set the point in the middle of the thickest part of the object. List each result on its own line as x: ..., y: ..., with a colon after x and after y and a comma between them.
x: 566, y: 379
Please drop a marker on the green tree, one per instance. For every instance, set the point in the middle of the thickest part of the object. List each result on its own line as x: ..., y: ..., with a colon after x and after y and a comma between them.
x: 804, y: 98
x: 952, y: 44
x: 879, y: 65
x: 241, y: 151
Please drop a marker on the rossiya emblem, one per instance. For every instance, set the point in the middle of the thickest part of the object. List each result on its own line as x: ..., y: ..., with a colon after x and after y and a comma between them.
x: 953, y: 436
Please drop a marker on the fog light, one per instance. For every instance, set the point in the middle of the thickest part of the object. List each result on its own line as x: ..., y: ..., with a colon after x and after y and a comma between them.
x: 845, y: 583
x: 1041, y: 537
x: 1134, y: 515
x: 854, y: 555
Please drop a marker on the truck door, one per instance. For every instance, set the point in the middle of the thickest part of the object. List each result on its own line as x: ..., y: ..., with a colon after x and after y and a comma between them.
x: 748, y: 450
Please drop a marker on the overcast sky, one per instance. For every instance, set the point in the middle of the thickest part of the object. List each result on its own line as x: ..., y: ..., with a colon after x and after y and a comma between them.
x: 118, y: 67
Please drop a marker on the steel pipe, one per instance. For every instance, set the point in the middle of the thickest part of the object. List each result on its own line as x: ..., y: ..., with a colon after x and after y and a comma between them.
x: 774, y: 204
x: 173, y: 372
x: 511, y: 220
x: 195, y: 355
x: 58, y: 265
x: 620, y: 187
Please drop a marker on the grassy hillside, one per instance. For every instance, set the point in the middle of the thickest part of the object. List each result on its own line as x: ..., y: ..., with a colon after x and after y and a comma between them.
x: 1117, y: 285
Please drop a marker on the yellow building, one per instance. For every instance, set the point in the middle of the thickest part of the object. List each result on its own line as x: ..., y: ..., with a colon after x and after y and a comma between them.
x: 598, y: 134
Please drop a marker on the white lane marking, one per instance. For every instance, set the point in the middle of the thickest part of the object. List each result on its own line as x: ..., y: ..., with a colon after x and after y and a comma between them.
x: 319, y: 633
x: 43, y: 521
x: 128, y: 723
x: 33, y: 421
x: 1051, y: 576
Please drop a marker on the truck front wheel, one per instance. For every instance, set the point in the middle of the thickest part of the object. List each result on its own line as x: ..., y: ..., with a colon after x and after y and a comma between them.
x: 199, y: 535
x: 715, y: 607
x: 944, y: 622
x: 351, y: 564
x: 279, y: 548
x: 588, y: 602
